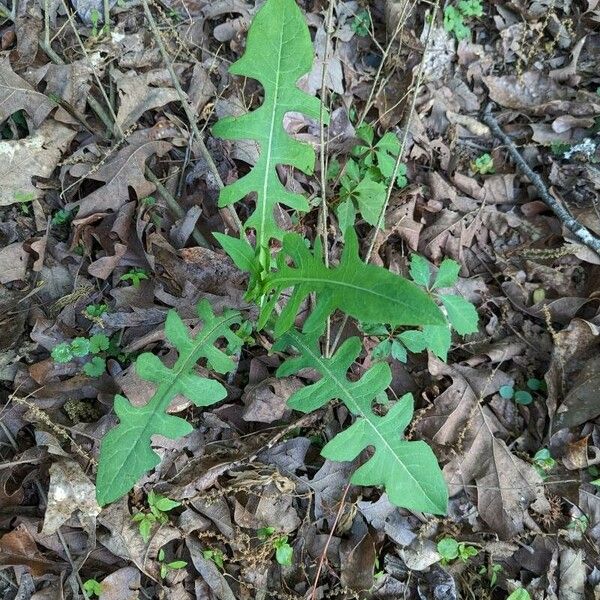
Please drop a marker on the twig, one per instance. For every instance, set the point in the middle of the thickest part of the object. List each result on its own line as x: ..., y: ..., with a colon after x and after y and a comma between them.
x: 174, y: 206
x: 569, y: 221
x: 313, y: 594
x: 234, y: 222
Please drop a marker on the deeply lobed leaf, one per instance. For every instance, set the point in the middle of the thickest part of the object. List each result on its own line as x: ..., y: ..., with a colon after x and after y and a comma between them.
x: 126, y: 453
x: 366, y: 292
x: 278, y: 52
x: 408, y: 470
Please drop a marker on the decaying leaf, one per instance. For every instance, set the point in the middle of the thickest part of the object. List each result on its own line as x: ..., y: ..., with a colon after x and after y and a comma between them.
x: 70, y: 491
x: 33, y: 156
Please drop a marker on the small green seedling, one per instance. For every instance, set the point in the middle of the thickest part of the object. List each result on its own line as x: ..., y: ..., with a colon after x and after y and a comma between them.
x: 165, y: 567
x: 361, y: 24
x: 135, y: 275
x: 159, y: 507
x: 579, y: 524
x: 283, y: 551
x: 449, y: 549
x: 483, y: 165
x: 543, y: 462
x: 215, y: 555
x: 81, y: 347
x: 523, y: 397
x: 92, y: 587
x: 519, y: 594
x: 454, y: 17
x: 62, y: 217
x: 95, y: 311
x: 492, y: 572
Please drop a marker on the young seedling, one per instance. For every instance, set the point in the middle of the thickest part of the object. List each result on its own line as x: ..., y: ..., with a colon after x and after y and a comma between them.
x: 92, y: 587
x: 135, y: 275
x: 361, y: 24
x: 455, y: 16
x: 483, y: 165
x: 543, y: 462
x: 159, y: 507
x: 519, y: 594
x: 215, y: 555
x: 450, y: 549
x: 166, y: 567
x: 283, y: 551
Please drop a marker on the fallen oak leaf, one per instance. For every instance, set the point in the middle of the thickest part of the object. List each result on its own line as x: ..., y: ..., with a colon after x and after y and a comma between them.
x: 120, y: 173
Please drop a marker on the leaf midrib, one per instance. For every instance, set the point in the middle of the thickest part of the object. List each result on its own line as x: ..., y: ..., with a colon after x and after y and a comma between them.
x: 163, y: 388
x: 262, y: 242
x: 349, y: 401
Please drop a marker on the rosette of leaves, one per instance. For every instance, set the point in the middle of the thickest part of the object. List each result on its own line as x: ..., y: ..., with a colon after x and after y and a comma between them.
x: 408, y: 470
x: 126, y: 453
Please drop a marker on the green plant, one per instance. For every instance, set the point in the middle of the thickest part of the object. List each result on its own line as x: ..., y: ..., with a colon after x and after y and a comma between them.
x: 125, y: 453
x: 95, y: 311
x: 450, y: 549
x: 454, y: 17
x: 366, y: 177
x: 283, y: 551
x: 135, y: 275
x: 361, y: 24
x: 81, y: 347
x: 159, y: 507
x: 483, y: 164
x: 407, y: 469
x: 215, y: 555
x: 92, y: 587
x: 165, y: 567
x: 521, y: 396
x: 519, y: 594
x: 492, y: 571
x: 62, y: 217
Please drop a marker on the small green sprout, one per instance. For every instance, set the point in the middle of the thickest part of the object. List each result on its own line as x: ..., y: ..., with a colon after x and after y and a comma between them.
x: 61, y: 217
x: 159, y: 507
x: 519, y: 594
x: 95, y: 311
x: 135, y: 275
x: 92, y: 587
x: 165, y: 567
x: 216, y: 556
x: 454, y: 17
x: 450, y: 549
x: 361, y: 24
x: 62, y: 353
x: 80, y: 347
x: 283, y: 551
x: 99, y: 342
x: 483, y: 164
x: 95, y: 367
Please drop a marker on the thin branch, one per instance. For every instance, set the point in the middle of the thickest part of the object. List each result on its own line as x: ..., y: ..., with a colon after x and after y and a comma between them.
x: 234, y: 221
x: 565, y: 217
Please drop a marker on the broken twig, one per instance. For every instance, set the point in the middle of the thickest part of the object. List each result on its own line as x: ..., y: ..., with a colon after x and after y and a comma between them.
x: 569, y: 221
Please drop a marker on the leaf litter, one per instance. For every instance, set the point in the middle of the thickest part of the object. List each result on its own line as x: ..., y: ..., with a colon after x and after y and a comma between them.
x: 105, y: 184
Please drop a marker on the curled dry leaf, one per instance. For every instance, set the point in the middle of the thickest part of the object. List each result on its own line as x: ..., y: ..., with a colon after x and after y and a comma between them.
x: 123, y: 584
x: 70, y: 491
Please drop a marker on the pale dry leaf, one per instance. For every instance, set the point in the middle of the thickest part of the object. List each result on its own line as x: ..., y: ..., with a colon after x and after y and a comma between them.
x: 70, y: 491
x: 13, y: 263
x: 34, y: 156
x: 122, y: 171
x: 16, y: 94
x: 572, y: 574
x: 139, y: 93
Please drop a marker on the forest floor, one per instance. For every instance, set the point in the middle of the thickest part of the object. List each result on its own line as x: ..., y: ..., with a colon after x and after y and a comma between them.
x: 107, y: 208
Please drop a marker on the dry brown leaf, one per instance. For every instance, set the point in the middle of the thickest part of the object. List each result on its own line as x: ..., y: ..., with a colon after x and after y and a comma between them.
x: 124, y: 170
x: 139, y: 93
x: 506, y: 484
x: 13, y: 263
x: 34, y: 156
x: 123, y: 584
x: 17, y: 547
x: 70, y: 491
x: 16, y: 94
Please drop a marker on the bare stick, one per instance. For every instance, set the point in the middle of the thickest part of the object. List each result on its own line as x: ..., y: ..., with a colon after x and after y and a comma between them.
x: 565, y: 217
x: 235, y: 222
